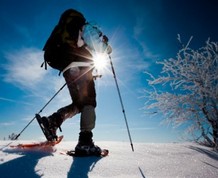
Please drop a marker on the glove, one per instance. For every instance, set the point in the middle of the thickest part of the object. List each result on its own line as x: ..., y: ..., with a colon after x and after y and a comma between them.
x: 105, y: 39
x: 109, y: 49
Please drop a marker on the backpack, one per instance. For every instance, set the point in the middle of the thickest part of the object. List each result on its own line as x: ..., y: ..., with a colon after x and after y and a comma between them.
x: 64, y: 36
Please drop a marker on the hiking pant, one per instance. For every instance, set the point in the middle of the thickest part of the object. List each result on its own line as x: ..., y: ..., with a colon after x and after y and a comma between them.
x: 81, y: 88
x: 82, y: 91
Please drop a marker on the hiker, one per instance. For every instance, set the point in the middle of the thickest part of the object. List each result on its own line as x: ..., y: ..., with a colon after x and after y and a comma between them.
x: 69, y: 49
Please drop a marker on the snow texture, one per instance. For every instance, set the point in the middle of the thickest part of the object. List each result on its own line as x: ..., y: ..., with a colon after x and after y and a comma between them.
x: 149, y: 160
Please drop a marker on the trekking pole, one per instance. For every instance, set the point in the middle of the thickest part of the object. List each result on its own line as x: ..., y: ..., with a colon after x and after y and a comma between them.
x: 121, y: 102
x: 40, y: 111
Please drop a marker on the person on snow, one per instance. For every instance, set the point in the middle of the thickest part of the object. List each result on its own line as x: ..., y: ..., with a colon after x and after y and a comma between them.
x: 70, y: 47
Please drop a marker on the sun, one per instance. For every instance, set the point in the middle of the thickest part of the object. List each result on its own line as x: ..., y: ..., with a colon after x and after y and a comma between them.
x: 100, y: 61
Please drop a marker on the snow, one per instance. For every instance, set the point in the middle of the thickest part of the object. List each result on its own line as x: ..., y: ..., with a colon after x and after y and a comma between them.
x: 147, y: 161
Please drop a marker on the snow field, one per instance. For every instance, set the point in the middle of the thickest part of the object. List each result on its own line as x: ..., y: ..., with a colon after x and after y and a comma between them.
x: 166, y: 160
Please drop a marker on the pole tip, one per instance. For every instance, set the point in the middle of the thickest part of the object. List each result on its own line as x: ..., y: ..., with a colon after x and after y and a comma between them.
x: 132, y: 147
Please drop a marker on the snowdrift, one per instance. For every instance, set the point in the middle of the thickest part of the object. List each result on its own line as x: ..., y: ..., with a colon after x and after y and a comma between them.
x: 148, y: 161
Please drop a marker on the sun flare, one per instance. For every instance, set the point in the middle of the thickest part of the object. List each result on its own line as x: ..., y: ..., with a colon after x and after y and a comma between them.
x: 100, y: 61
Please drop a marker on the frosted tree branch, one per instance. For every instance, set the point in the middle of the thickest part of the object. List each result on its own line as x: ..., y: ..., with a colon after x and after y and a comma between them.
x: 193, y: 99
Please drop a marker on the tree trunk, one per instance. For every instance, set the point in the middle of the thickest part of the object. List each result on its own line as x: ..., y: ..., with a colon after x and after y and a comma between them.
x: 204, y: 135
x: 214, y: 126
x: 215, y: 133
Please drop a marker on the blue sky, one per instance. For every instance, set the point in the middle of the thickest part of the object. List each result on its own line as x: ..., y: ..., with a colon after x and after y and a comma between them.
x: 141, y: 32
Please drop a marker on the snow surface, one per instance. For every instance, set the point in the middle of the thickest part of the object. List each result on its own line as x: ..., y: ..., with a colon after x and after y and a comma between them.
x: 149, y: 160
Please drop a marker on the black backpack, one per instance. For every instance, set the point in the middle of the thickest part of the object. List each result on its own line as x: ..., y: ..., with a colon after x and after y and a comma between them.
x: 64, y: 36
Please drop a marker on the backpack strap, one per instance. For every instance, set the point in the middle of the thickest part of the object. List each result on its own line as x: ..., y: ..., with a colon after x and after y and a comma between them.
x: 78, y: 64
x: 44, y: 63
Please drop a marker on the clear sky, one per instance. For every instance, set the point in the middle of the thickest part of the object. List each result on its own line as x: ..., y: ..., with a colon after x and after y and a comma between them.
x: 141, y: 32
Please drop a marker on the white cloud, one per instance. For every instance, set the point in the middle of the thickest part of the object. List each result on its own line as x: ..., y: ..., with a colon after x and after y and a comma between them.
x: 7, y: 124
x: 140, y: 36
x: 23, y: 68
x: 139, y: 27
x: 14, y: 101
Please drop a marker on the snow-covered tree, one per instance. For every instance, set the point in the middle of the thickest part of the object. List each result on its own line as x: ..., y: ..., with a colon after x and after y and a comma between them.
x: 192, y: 95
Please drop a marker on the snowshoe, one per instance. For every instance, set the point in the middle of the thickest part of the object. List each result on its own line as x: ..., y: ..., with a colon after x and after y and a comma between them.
x: 38, y: 145
x: 86, y: 151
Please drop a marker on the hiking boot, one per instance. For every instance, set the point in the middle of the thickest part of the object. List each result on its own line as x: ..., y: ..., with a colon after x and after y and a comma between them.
x: 86, y: 146
x: 87, y: 150
x: 49, y: 125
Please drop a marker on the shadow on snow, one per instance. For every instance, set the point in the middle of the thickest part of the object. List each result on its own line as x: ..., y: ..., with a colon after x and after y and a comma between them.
x: 23, y: 166
x: 210, y: 153
x: 81, y: 166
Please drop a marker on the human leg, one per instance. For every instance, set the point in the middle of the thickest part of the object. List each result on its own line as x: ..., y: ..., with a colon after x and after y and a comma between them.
x: 54, y: 121
x: 85, y: 99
